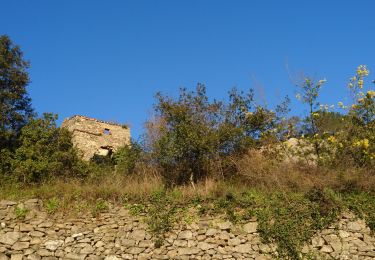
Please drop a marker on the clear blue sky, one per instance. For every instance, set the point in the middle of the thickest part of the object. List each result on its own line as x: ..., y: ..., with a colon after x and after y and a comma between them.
x: 106, y: 59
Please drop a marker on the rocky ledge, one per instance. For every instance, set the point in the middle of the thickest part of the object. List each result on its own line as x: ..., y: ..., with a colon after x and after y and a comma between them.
x: 118, y: 235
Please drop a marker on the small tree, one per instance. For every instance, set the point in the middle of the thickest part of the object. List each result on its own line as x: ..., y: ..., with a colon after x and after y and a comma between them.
x: 189, y: 138
x: 309, y: 93
x: 196, y: 137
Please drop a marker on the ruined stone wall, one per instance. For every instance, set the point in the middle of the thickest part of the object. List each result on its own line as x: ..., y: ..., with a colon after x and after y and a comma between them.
x: 118, y: 235
x: 92, y: 136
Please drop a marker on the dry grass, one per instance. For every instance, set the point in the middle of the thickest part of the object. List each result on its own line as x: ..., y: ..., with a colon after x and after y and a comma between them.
x: 254, y: 171
x: 269, y: 175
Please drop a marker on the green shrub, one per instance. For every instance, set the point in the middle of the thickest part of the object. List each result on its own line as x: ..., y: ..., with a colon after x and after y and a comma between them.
x: 196, y: 137
x: 6, y: 157
x: 99, y: 207
x: 127, y: 157
x: 136, y: 209
x: 52, y: 205
x: 291, y: 220
x: 161, y: 214
x: 363, y: 204
x: 45, y: 151
x: 21, y: 212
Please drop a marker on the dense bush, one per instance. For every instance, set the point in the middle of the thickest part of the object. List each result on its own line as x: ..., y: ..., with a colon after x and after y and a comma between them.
x: 127, y: 157
x: 196, y: 137
x: 45, y: 151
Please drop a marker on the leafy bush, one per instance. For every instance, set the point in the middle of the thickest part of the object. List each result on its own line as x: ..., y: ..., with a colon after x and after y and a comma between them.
x: 45, y: 151
x: 127, y: 157
x: 291, y: 220
x: 21, y: 212
x: 363, y: 204
x: 99, y: 207
x: 5, y: 162
x: 196, y: 137
x: 52, y: 205
x: 161, y: 215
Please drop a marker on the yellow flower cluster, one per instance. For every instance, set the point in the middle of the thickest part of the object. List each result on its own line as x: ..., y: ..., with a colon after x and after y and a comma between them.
x: 315, y: 114
x: 357, y: 80
x: 362, y: 71
x: 332, y: 139
x: 360, y: 83
x: 365, y: 143
x: 371, y: 93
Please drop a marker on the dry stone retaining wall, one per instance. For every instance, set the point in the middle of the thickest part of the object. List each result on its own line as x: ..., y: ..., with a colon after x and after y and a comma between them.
x: 118, y: 235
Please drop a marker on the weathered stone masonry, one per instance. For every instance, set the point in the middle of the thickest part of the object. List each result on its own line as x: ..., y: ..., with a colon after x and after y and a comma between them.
x: 92, y: 136
x: 118, y: 235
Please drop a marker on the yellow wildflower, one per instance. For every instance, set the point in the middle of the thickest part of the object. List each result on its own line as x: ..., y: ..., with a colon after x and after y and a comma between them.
x: 362, y: 71
x: 365, y: 143
x: 371, y: 93
x: 360, y: 83
x: 331, y: 139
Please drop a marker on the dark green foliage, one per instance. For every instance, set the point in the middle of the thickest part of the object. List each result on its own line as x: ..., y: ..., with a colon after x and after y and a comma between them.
x: 127, y: 157
x: 103, y: 161
x: 15, y: 104
x: 5, y: 161
x: 45, y: 151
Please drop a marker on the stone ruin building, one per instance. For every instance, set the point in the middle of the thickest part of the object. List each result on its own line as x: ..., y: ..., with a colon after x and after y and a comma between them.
x: 95, y: 137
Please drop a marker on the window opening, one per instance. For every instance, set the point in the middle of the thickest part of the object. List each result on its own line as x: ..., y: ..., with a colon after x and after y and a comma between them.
x: 107, y: 131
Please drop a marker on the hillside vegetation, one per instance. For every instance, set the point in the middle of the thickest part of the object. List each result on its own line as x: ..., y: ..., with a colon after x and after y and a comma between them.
x: 232, y: 157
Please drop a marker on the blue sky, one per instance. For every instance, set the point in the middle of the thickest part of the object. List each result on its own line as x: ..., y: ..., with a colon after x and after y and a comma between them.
x: 107, y: 59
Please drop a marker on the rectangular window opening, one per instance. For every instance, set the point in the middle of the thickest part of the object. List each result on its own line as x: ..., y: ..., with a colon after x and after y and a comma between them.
x: 107, y: 131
